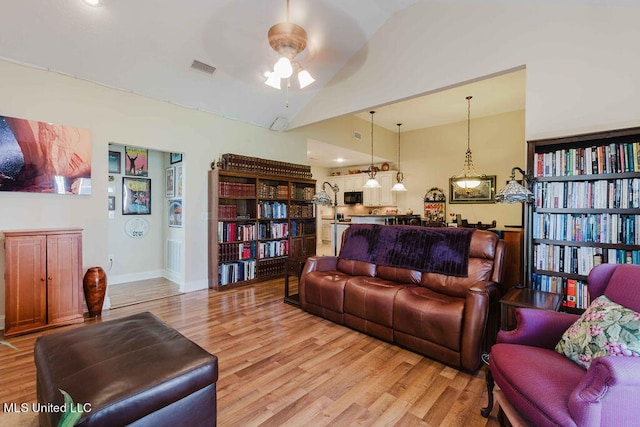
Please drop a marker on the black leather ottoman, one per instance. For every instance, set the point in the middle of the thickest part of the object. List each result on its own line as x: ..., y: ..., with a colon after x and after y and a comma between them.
x: 131, y: 371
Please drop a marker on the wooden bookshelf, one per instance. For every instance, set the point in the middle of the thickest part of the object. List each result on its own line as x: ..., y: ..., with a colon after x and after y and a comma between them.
x: 256, y: 221
x: 586, y: 209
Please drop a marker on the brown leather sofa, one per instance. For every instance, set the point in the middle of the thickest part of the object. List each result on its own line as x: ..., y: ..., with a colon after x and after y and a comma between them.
x: 451, y: 319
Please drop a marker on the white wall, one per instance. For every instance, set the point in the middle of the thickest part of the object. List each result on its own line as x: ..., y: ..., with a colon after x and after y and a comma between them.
x: 124, y: 118
x: 581, y: 61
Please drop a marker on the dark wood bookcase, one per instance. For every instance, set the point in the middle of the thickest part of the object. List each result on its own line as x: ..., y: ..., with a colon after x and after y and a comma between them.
x: 256, y: 221
x: 586, y: 208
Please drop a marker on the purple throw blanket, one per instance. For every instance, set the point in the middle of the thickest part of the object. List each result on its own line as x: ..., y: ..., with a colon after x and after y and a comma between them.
x: 429, y: 250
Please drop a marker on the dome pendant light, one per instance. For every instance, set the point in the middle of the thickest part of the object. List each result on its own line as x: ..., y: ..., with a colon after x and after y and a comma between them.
x: 372, y: 182
x: 469, y: 178
x: 399, y: 186
x: 288, y: 40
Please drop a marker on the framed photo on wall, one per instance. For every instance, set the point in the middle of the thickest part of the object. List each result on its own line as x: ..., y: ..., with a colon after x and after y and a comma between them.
x: 136, y: 196
x: 175, y: 213
x: 483, y: 193
x: 176, y: 157
x: 170, y: 182
x: 137, y: 161
x: 179, y: 176
x: 114, y: 162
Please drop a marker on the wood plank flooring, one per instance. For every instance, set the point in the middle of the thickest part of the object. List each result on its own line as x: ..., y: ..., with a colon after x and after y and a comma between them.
x: 280, y: 366
x: 124, y: 294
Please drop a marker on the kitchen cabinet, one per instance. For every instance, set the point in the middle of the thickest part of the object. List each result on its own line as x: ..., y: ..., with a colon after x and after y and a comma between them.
x: 43, y: 279
x: 353, y: 182
x: 382, y: 196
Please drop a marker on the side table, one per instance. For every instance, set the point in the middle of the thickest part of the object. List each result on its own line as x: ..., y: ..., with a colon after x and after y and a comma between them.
x: 292, y: 267
x: 527, y: 298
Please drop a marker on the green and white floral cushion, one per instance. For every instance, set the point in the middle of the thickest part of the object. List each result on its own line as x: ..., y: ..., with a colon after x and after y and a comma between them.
x: 605, y: 329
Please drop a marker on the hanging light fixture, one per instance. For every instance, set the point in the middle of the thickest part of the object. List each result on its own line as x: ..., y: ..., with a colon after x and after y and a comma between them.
x: 399, y: 186
x: 469, y: 178
x: 372, y: 182
x: 288, y: 40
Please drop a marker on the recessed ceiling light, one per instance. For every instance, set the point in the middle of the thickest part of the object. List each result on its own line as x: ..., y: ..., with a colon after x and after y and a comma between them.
x: 92, y: 2
x: 339, y: 160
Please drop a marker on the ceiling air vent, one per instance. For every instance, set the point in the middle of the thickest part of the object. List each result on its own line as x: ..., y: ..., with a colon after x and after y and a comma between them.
x: 201, y: 66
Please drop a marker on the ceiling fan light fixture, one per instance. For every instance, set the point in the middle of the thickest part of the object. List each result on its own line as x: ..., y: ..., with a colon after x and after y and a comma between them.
x: 305, y: 79
x: 273, y: 80
x: 288, y: 40
x: 283, y: 68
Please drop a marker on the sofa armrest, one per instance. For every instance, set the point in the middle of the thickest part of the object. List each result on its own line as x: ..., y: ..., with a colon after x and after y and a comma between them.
x: 320, y: 263
x: 608, y: 393
x: 537, y: 328
x: 480, y: 300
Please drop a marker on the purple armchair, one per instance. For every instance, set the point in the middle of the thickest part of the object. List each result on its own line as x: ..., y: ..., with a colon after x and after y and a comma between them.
x: 548, y: 389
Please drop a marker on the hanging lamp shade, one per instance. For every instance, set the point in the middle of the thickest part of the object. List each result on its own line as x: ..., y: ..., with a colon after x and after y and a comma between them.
x: 399, y: 186
x: 372, y: 182
x: 468, y: 178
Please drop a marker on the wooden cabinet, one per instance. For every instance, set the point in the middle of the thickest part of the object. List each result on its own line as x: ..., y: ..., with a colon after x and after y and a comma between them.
x: 513, y: 270
x: 382, y: 196
x: 586, y: 208
x: 255, y: 222
x: 43, y: 279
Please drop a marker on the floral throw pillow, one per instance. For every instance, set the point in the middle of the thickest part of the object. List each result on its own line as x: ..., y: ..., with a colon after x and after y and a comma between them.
x: 605, y: 329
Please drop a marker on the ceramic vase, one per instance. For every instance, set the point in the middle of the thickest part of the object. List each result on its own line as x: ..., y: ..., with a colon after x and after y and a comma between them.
x: 95, y: 288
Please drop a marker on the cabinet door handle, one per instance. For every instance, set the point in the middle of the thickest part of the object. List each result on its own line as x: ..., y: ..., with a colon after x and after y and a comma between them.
x: 50, y: 278
x: 42, y: 279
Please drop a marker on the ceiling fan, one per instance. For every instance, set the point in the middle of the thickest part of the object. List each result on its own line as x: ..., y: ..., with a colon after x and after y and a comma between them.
x: 288, y: 40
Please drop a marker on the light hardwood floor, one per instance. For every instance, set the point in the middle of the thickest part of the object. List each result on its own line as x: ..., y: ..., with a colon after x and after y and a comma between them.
x: 280, y: 366
x: 124, y: 294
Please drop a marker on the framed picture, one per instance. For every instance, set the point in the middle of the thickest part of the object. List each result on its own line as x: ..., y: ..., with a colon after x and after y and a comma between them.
x: 483, y: 193
x: 136, y: 196
x: 170, y: 182
x: 112, y: 203
x: 114, y: 162
x: 179, y: 181
x: 137, y: 161
x: 176, y: 158
x: 175, y: 213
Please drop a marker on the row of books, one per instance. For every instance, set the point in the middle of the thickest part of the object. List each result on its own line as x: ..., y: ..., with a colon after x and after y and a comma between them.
x: 303, y: 228
x: 271, y: 267
x: 575, y: 292
x: 236, y: 272
x: 227, y: 211
x: 269, y: 191
x: 273, y: 249
x: 602, y: 194
x: 565, y: 259
x: 273, y: 230
x: 236, y: 162
x: 236, y: 251
x: 272, y: 210
x: 235, y: 232
x: 609, y: 158
x: 302, y: 193
x: 595, y: 228
x: 579, y: 259
x: 301, y: 211
x: 236, y: 189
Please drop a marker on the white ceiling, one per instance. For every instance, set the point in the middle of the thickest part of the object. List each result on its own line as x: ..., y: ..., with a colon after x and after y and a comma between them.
x: 147, y: 46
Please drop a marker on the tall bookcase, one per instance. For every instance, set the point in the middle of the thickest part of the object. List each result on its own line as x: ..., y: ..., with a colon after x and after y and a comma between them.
x: 256, y: 221
x: 586, y: 209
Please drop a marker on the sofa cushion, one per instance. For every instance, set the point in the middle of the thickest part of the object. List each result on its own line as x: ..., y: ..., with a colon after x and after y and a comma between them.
x: 399, y: 275
x: 480, y: 270
x: 356, y: 268
x: 371, y: 298
x: 525, y: 373
x: 429, y: 315
x: 605, y: 329
x: 326, y: 289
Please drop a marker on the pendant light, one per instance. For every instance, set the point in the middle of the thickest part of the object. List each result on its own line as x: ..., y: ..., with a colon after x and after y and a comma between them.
x: 372, y: 182
x: 399, y: 186
x: 469, y: 178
